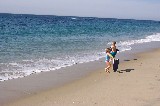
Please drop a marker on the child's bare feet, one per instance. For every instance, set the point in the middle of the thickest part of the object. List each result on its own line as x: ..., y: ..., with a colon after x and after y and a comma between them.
x: 107, y: 70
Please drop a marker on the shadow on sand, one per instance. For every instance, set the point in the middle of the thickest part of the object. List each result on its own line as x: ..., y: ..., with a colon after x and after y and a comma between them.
x: 126, y: 70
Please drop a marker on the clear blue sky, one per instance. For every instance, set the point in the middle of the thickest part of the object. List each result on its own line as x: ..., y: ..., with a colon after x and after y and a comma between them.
x: 133, y: 9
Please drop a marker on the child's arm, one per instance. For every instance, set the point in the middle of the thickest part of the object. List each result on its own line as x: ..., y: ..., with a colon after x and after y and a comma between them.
x: 110, y: 55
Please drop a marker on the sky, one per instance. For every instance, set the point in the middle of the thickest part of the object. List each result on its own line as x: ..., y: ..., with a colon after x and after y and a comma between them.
x: 123, y: 9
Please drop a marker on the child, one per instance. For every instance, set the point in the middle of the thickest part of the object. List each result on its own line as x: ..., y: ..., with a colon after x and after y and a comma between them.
x: 114, y: 49
x: 109, y: 57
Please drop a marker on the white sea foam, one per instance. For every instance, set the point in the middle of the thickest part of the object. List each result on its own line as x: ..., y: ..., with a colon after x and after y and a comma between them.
x: 73, y: 18
x: 126, y: 45
x: 27, y: 67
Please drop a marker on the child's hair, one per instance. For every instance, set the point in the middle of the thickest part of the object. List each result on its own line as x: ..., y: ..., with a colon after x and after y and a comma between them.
x: 108, y: 50
x: 114, y: 42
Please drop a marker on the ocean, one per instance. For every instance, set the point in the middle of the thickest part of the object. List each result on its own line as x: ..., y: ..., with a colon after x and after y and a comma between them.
x: 37, y: 43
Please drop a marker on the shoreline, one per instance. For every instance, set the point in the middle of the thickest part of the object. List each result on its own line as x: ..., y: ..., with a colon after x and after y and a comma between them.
x: 31, y: 85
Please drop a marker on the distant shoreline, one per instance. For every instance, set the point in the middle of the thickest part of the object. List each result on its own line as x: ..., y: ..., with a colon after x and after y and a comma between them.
x: 78, y: 16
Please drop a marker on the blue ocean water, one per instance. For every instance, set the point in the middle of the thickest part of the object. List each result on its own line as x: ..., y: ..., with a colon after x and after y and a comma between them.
x: 36, y: 43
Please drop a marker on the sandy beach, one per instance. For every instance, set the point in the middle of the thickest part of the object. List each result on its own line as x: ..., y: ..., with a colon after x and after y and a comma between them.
x: 136, y: 83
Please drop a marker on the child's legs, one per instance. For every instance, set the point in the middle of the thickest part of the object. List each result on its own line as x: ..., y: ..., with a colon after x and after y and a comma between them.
x: 108, y: 64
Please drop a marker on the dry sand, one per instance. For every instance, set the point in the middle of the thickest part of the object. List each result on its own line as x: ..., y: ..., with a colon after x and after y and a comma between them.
x: 137, y: 83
